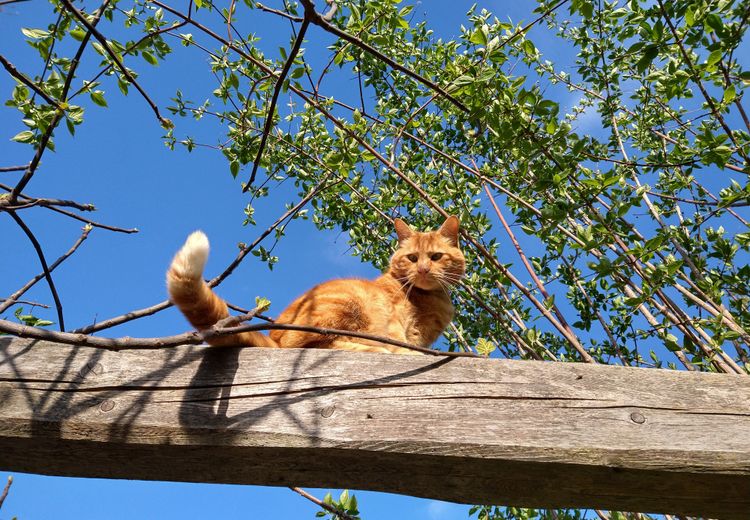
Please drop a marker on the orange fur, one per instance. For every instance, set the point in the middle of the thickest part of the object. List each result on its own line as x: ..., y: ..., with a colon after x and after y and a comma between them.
x: 410, y: 302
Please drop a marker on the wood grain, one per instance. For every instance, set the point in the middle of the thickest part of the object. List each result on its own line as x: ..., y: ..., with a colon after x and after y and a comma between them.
x: 468, y: 430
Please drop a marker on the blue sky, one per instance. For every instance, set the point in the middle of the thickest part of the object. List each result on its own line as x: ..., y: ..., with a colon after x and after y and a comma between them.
x: 118, y: 162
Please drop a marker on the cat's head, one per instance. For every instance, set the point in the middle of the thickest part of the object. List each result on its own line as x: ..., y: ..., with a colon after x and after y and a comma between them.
x: 428, y: 260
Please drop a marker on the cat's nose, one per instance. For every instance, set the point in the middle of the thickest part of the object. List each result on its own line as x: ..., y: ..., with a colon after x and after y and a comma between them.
x: 423, y: 268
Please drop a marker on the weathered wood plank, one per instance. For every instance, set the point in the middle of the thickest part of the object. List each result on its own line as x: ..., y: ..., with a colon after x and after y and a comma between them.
x: 468, y: 430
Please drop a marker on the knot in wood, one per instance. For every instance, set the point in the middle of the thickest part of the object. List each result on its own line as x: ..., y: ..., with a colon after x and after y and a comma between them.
x: 327, y: 411
x: 107, y: 405
x: 637, y: 418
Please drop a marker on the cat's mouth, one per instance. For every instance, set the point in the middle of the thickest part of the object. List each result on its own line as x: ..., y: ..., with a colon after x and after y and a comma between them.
x: 426, y: 282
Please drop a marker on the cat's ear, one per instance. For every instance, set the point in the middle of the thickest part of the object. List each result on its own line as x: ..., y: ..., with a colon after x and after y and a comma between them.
x: 403, y: 231
x: 449, y: 230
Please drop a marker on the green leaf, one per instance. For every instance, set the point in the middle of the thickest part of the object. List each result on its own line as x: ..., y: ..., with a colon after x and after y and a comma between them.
x: 149, y: 58
x: 729, y: 94
x: 479, y: 36
x: 97, y: 97
x: 485, y: 347
x: 78, y: 34
x: 715, y: 22
x: 23, y: 137
x: 35, y: 34
x: 262, y: 303
x: 713, y: 59
x: 649, y: 53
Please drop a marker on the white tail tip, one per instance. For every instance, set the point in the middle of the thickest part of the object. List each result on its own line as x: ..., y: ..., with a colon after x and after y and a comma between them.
x: 190, y: 260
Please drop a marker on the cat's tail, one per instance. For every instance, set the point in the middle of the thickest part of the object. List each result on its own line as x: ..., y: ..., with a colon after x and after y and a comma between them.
x: 192, y: 295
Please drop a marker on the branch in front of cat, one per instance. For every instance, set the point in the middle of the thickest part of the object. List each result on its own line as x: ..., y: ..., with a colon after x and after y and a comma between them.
x: 328, y: 507
x: 198, y: 337
x: 43, y: 261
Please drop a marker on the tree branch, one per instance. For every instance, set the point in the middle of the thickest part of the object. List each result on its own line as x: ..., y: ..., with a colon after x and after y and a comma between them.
x: 319, y: 20
x: 13, y: 298
x: 45, y: 267
x: 198, y: 337
x: 73, y: 215
x: 275, y: 97
x: 4, y: 495
x: 19, y: 168
x: 13, y: 71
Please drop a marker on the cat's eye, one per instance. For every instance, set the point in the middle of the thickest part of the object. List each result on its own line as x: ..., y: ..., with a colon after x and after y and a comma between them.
x: 436, y: 256
x: 412, y: 257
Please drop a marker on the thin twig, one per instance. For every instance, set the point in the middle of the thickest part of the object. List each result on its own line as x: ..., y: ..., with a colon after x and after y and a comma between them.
x: 46, y: 203
x: 275, y: 97
x: 8, y: 2
x: 19, y: 168
x: 529, y: 267
x: 277, y: 12
x: 13, y: 298
x: 327, y: 507
x: 10, y: 478
x: 45, y: 267
x: 73, y: 215
x: 26, y: 302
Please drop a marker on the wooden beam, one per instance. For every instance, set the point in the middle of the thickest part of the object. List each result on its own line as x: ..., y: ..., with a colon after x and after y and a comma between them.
x: 468, y: 430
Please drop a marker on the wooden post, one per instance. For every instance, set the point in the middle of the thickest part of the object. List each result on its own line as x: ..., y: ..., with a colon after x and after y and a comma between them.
x: 468, y: 430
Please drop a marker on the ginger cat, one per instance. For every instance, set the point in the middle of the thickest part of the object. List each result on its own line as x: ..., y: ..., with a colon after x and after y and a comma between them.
x: 409, y: 303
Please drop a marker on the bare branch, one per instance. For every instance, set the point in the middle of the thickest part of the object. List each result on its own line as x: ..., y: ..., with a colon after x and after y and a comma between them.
x: 73, y: 215
x: 275, y: 97
x: 277, y: 12
x: 198, y: 337
x: 19, y: 168
x: 45, y: 267
x: 13, y: 298
x: 26, y: 302
x: 10, y: 477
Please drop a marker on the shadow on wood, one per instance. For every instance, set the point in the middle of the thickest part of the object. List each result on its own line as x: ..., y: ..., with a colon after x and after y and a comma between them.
x: 469, y: 430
